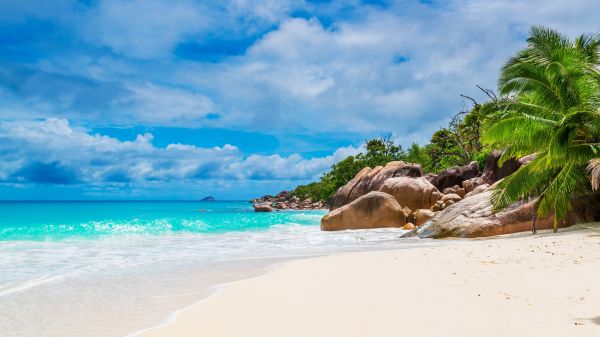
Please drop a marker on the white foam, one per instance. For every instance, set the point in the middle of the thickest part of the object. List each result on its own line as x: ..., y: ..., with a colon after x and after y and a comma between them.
x: 122, y: 274
x: 7, y: 289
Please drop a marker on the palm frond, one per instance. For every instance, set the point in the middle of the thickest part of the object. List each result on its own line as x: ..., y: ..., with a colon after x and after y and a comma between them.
x: 525, y: 131
x: 558, y: 194
x: 549, y: 104
x: 528, y: 181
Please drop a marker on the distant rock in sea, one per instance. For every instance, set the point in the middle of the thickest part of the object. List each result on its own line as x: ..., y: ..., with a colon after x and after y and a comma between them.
x: 208, y: 199
x: 285, y: 200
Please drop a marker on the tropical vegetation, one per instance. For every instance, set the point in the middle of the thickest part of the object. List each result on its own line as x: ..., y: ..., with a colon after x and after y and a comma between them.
x: 457, y: 144
x: 549, y: 106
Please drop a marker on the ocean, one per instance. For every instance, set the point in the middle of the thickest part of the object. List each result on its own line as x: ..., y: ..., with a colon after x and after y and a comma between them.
x: 103, y: 268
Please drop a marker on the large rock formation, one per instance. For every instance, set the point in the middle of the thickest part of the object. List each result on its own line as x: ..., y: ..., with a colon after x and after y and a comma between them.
x: 422, y: 216
x: 585, y: 208
x: 285, y: 200
x: 414, y: 193
x: 473, y: 217
x: 477, y: 190
x: 371, y: 179
x: 455, y: 176
x: 492, y: 172
x: 374, y: 210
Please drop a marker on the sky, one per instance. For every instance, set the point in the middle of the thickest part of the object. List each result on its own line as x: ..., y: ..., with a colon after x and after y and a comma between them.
x: 181, y: 99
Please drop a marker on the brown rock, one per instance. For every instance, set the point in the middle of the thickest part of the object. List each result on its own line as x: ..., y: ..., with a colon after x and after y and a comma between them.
x: 262, y: 208
x: 461, y: 192
x: 448, y: 203
x: 468, y: 185
x: 453, y: 197
x: 585, y: 208
x: 430, y: 176
x: 374, y: 210
x: 409, y: 214
x: 477, y: 190
x: 473, y: 217
x: 409, y: 227
x: 449, y: 190
x: 455, y: 175
x: 439, y: 205
x: 422, y: 216
x: 414, y: 193
x: 371, y: 179
x: 283, y: 194
x: 492, y: 172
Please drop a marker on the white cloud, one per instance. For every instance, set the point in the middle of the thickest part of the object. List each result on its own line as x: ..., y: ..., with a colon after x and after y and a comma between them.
x: 351, y: 69
x: 66, y: 151
x: 343, y: 77
x: 144, y: 28
x: 159, y: 105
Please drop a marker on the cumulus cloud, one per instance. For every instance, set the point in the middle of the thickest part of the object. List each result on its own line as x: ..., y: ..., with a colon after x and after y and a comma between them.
x: 143, y: 28
x: 54, y: 152
x: 356, y: 69
x: 364, y: 68
x: 399, y: 68
x: 159, y: 105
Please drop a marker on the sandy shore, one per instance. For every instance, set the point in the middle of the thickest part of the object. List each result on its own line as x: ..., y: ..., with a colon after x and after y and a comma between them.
x: 543, y: 285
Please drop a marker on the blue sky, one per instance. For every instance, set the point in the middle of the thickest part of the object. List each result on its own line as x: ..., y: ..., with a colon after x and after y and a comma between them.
x: 149, y: 99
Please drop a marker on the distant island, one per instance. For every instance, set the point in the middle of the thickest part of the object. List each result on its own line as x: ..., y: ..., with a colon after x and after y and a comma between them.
x: 209, y: 198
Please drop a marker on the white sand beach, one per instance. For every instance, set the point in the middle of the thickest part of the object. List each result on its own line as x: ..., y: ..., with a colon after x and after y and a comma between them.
x: 523, y: 285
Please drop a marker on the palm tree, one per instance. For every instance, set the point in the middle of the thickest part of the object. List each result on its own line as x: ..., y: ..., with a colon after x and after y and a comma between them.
x: 550, y: 106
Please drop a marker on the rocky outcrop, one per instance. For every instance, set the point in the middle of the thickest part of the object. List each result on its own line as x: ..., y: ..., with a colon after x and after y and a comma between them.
x: 373, y: 210
x: 477, y: 190
x: 409, y: 227
x: 371, y: 179
x: 285, y: 200
x: 421, y: 216
x: 455, y: 176
x: 474, y: 217
x: 414, y: 193
x: 493, y: 172
x: 262, y: 208
x: 585, y: 208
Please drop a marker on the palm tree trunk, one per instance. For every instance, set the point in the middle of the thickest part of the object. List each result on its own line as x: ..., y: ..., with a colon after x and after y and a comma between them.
x: 555, y: 224
x: 535, y: 215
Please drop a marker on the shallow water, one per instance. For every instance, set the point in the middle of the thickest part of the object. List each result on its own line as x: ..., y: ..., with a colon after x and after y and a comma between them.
x: 111, y: 268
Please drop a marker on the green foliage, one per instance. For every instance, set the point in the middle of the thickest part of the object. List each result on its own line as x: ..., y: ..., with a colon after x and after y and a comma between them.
x: 458, y: 144
x: 418, y: 154
x: 379, y: 151
x: 316, y: 191
x: 550, y: 105
x: 444, y: 150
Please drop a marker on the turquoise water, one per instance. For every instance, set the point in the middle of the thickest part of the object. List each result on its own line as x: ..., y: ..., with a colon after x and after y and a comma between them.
x: 104, y: 269
x: 85, y: 219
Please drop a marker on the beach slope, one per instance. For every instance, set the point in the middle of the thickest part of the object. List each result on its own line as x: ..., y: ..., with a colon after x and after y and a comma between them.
x: 543, y: 285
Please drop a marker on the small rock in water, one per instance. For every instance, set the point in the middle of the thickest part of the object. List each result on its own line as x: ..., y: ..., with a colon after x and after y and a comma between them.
x: 408, y: 227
